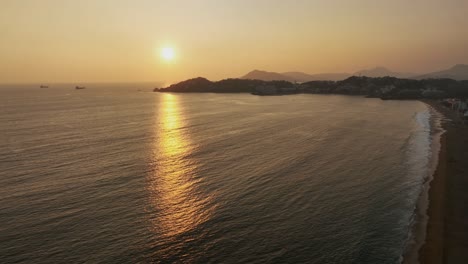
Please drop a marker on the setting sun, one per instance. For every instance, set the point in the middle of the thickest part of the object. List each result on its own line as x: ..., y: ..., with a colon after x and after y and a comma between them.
x: 167, y: 53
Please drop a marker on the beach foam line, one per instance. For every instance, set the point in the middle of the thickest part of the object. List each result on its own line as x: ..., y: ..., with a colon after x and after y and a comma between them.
x: 418, y: 226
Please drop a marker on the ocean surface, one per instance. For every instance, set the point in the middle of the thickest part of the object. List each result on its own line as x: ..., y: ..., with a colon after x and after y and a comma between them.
x: 115, y: 173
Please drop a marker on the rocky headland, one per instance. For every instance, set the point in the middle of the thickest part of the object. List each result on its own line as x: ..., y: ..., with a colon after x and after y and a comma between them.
x: 377, y: 87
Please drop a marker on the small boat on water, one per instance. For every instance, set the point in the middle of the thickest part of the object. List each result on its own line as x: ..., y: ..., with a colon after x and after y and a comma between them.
x: 43, y: 86
x: 80, y: 87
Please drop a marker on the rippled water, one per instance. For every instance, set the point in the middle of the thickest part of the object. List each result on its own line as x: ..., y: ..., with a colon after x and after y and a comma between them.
x: 115, y: 175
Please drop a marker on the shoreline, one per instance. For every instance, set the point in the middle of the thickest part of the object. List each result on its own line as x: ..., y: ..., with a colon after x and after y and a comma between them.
x: 420, y: 219
x: 446, y: 234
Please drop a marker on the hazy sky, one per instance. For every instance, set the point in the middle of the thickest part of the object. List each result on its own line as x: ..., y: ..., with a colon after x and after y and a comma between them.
x: 120, y: 40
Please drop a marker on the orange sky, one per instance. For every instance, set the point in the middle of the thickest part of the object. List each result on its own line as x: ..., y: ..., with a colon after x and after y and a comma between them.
x: 120, y: 40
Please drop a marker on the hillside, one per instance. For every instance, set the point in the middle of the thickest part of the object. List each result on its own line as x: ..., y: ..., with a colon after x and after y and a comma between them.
x: 266, y: 76
x: 382, y: 72
x: 458, y: 72
x: 304, y: 77
x: 379, y: 87
x: 294, y: 76
x: 202, y: 85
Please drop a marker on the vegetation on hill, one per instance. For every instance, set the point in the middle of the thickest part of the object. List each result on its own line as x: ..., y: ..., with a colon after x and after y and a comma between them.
x: 379, y: 87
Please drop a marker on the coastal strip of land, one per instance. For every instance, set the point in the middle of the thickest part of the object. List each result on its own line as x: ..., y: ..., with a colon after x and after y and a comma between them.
x: 447, y: 227
x: 387, y: 88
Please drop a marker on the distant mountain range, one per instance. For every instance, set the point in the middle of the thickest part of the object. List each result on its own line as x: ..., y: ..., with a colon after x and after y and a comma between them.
x: 304, y: 77
x: 382, y: 72
x: 457, y: 72
x: 294, y: 76
x: 268, y: 76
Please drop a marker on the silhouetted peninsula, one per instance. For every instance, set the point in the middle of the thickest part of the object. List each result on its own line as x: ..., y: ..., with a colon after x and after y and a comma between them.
x: 202, y: 85
x: 380, y: 87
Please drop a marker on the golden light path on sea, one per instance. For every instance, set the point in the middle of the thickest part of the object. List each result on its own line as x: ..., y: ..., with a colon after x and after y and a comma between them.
x: 180, y: 207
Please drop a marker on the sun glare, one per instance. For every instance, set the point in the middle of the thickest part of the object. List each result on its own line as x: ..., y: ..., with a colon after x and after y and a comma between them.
x: 167, y: 53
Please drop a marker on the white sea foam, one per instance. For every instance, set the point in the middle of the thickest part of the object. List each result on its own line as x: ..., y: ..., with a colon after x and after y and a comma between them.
x: 426, y: 147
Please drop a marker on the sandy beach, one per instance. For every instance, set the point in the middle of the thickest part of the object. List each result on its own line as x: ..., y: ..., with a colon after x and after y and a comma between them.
x: 447, y: 228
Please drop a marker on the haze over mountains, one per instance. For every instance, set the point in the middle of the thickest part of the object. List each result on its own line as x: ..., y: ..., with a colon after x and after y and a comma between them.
x: 294, y: 76
x: 269, y: 76
x: 382, y: 72
x: 457, y: 72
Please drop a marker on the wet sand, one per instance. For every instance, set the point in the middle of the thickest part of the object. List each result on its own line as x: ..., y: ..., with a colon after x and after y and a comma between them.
x: 447, y: 228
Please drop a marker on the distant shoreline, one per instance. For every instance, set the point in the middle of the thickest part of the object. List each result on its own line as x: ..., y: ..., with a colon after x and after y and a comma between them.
x: 386, y: 88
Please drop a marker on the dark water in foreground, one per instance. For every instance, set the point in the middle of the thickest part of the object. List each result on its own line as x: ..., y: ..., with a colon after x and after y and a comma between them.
x: 98, y: 175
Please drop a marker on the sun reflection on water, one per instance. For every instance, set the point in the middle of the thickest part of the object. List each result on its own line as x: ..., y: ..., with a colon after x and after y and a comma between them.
x: 179, y: 205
